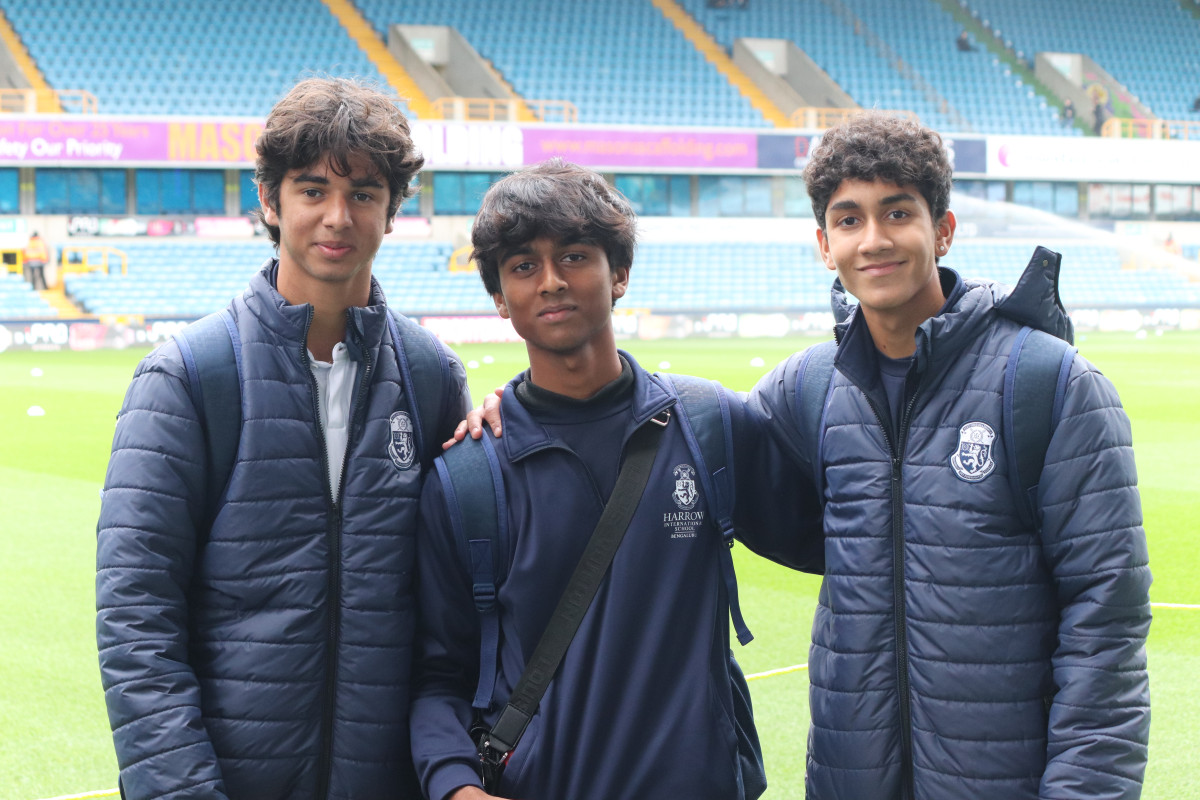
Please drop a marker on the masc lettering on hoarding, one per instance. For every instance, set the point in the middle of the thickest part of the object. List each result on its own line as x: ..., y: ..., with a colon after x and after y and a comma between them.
x: 211, y: 141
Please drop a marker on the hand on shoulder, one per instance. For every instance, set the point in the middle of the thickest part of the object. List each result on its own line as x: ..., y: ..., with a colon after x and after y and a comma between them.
x: 488, y: 411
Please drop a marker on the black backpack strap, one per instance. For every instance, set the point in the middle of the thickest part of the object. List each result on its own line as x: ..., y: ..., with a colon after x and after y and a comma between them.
x: 212, y: 355
x: 577, y: 598
x: 426, y: 374
x: 1035, y: 384
x: 474, y: 490
x: 708, y: 432
x: 814, y: 381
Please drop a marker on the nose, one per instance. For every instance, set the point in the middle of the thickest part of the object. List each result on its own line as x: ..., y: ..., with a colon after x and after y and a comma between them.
x: 551, y: 279
x: 874, y: 237
x: 337, y: 211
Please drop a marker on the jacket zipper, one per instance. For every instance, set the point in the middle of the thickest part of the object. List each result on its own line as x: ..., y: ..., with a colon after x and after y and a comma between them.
x: 906, y: 753
x: 333, y: 532
x: 898, y: 596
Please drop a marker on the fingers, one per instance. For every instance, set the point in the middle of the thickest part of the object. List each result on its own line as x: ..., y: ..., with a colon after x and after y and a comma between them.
x: 491, y: 411
x: 460, y: 433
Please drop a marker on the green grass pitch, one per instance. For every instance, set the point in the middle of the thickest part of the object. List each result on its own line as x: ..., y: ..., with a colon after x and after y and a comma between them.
x: 54, y: 737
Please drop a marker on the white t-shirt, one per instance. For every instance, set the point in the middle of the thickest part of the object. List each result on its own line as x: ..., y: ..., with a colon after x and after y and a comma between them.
x: 335, y: 385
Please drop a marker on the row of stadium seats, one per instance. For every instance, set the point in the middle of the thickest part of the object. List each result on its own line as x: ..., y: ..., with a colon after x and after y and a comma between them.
x: 1151, y: 46
x: 156, y: 59
x: 976, y: 85
x: 18, y: 299
x: 618, y: 61
x: 194, y: 279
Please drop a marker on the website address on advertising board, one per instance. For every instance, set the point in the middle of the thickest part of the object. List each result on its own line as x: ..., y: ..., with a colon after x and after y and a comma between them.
x: 664, y: 147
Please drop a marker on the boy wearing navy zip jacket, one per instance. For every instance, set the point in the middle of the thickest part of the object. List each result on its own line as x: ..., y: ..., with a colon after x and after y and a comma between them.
x: 957, y: 651
x: 261, y: 649
x: 642, y: 704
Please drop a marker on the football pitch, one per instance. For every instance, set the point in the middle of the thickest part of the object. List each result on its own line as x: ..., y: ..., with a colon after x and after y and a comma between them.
x: 57, y: 414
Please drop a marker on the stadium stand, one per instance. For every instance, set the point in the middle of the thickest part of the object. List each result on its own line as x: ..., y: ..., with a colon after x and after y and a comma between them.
x: 147, y: 57
x: 1150, y: 46
x: 618, y: 61
x: 195, y: 278
x: 979, y: 91
x: 191, y: 279
x: 18, y: 299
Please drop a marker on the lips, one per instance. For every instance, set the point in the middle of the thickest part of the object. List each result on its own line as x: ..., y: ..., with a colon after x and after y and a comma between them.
x: 880, y: 269
x: 555, y: 313
x: 334, y: 249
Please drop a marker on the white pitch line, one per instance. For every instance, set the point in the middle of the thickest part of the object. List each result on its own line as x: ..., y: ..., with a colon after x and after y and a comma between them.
x: 1175, y: 605
x: 98, y: 793
x: 780, y: 671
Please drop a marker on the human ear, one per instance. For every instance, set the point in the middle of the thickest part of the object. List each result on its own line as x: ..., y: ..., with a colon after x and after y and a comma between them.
x: 620, y: 282
x: 269, y: 214
x: 501, y: 306
x: 944, y: 233
x: 823, y: 247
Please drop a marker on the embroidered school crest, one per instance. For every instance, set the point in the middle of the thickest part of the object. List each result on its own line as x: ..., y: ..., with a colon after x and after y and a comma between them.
x: 685, y: 487
x: 973, y: 461
x: 402, y: 447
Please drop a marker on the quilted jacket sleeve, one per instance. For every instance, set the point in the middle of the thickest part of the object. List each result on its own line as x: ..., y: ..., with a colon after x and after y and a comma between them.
x: 771, y: 409
x: 776, y: 512
x: 447, y: 655
x: 146, y: 545
x: 1095, y: 546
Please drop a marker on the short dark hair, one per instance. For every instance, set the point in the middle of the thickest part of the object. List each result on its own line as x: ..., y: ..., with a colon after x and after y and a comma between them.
x: 556, y: 199
x: 335, y: 117
x: 877, y: 146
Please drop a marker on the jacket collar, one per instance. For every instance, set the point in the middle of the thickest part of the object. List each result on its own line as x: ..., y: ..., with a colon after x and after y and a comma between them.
x: 939, y: 339
x: 364, y: 324
x: 524, y: 435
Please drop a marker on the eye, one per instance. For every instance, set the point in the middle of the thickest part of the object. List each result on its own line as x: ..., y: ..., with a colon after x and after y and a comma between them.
x: 898, y: 213
x: 846, y: 221
x: 363, y: 197
x: 311, y: 192
x: 575, y: 257
x: 521, y: 266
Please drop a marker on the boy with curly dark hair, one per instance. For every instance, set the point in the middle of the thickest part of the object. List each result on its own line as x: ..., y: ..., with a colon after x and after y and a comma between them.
x: 957, y: 651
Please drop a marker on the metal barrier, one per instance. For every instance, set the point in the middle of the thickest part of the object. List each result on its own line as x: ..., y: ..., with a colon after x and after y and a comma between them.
x: 93, y: 258
x: 823, y: 118
x: 1126, y: 128
x: 47, y: 101
x: 504, y: 109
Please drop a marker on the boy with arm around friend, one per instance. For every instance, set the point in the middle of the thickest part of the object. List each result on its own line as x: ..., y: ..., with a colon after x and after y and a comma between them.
x: 647, y: 701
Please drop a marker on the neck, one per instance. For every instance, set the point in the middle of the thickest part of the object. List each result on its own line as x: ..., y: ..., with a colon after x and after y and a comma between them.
x: 577, y: 375
x: 329, y: 300
x: 894, y: 330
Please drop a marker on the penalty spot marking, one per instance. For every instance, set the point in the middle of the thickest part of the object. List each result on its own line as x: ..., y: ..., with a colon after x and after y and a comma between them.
x: 770, y: 673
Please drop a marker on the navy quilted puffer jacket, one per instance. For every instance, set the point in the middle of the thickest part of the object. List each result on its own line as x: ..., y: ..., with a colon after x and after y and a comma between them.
x: 269, y: 657
x: 956, y: 653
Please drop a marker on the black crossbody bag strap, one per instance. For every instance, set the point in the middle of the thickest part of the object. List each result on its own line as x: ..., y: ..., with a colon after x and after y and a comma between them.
x: 495, y: 745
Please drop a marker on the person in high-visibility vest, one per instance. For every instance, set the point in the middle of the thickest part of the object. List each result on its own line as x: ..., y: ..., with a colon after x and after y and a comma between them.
x: 36, y: 256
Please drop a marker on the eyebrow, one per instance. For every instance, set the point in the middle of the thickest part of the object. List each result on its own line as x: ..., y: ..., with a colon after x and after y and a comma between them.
x: 357, y: 183
x: 890, y: 200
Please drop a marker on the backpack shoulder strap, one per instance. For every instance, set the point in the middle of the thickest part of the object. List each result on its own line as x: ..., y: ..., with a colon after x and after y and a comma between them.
x: 708, y: 431
x: 474, y: 490
x: 426, y: 375
x: 1035, y: 383
x: 814, y: 380
x: 212, y: 355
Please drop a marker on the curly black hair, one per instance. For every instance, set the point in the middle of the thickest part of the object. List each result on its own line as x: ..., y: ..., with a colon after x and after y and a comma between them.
x: 876, y: 146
